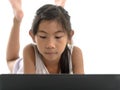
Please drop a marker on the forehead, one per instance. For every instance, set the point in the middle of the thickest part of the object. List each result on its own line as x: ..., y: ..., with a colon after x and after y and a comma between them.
x: 50, y: 26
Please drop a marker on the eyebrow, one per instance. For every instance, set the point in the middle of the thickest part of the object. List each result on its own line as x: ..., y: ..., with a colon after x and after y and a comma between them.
x: 41, y: 31
x: 59, y: 31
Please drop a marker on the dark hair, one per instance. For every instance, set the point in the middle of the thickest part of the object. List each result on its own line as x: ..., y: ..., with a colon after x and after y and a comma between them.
x: 53, y: 12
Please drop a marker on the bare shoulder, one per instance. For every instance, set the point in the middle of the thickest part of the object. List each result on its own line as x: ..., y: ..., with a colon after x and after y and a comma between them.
x: 76, y: 50
x: 28, y: 47
x: 77, y: 54
x: 28, y: 52
x: 29, y: 59
x: 77, y: 60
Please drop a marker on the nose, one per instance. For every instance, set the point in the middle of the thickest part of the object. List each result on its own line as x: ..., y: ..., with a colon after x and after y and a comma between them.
x: 50, y: 44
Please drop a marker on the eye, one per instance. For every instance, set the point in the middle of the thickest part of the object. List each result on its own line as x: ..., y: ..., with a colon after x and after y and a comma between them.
x: 43, y: 37
x: 58, y: 37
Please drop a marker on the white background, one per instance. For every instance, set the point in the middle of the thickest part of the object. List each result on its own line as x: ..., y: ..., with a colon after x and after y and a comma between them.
x: 97, y: 31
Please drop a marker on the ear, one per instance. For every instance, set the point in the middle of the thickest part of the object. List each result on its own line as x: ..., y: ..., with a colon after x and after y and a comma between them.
x: 70, y: 38
x: 71, y: 34
x: 32, y: 35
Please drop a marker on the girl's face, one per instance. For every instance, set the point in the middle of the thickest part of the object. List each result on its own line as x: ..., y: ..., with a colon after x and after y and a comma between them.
x: 51, y: 40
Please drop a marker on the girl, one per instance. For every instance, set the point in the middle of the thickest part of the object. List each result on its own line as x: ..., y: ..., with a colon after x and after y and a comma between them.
x: 51, y: 52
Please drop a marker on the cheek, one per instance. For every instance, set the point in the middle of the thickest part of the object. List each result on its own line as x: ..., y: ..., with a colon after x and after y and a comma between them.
x: 38, y: 41
x: 61, y: 45
x: 63, y: 41
x: 40, y: 44
x: 40, y: 48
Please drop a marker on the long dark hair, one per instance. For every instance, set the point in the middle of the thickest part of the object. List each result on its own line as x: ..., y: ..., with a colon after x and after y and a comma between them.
x: 53, y: 12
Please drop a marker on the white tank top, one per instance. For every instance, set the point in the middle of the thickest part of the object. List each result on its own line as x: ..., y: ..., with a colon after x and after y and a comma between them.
x: 40, y: 67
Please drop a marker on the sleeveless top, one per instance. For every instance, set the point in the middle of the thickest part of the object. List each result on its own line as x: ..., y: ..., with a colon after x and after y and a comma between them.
x: 40, y: 67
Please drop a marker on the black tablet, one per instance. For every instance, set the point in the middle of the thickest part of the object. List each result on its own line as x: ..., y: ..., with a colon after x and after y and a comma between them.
x: 59, y: 82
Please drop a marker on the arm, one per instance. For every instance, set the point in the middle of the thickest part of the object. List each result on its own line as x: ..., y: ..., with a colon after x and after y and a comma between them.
x: 13, y: 42
x: 29, y: 59
x: 13, y: 46
x: 77, y: 60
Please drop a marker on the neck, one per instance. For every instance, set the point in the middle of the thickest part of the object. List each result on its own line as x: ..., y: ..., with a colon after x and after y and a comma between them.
x: 53, y: 69
x: 52, y: 66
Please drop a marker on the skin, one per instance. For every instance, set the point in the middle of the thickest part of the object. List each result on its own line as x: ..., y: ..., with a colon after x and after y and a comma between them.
x: 60, y: 2
x: 17, y: 9
x: 12, y: 49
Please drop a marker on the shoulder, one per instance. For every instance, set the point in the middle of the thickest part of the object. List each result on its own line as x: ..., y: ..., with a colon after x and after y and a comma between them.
x: 29, y: 59
x: 77, y: 54
x: 77, y: 60
x: 76, y: 50
x: 29, y: 47
x: 28, y: 52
